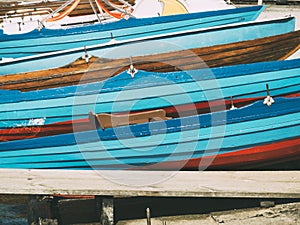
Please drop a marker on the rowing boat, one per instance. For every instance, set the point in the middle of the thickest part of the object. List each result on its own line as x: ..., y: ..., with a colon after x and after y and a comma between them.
x: 278, y: 47
x: 153, y: 44
x: 48, y: 40
x: 172, y: 144
x: 149, y: 90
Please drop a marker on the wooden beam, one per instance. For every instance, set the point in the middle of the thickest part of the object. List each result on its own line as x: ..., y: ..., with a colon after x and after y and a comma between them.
x: 41, y: 210
x: 233, y: 184
x: 107, y: 211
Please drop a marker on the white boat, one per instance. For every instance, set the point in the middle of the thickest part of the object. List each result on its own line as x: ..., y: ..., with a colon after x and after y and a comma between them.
x: 29, y: 20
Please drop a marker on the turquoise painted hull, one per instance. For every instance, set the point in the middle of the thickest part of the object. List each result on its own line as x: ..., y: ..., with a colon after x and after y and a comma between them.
x: 151, y: 91
x: 164, y: 141
x: 36, y: 42
x: 154, y: 44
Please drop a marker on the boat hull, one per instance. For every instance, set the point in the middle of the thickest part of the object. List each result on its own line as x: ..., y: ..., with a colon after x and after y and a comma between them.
x: 165, y: 142
x: 150, y: 91
x: 48, y: 40
x: 153, y: 44
x: 257, y: 157
x: 277, y: 47
x: 28, y: 132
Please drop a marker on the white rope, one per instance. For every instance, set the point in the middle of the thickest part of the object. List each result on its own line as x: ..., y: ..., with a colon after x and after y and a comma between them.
x: 94, y: 10
x: 100, y: 10
x: 120, y: 10
x: 125, y: 3
x: 58, y: 9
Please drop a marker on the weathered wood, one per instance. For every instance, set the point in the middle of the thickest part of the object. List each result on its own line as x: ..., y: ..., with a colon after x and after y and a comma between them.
x: 148, y: 215
x: 263, y: 49
x: 77, y: 210
x: 106, y: 120
x: 41, y: 211
x: 107, y: 212
x: 234, y: 184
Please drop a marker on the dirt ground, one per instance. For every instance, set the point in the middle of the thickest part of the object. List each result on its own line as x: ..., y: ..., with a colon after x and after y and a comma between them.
x: 285, y: 214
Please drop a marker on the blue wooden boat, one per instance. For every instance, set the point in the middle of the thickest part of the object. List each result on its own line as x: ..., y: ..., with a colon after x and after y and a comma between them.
x: 278, y: 47
x: 160, y: 142
x: 47, y: 40
x: 154, y: 44
x: 148, y: 90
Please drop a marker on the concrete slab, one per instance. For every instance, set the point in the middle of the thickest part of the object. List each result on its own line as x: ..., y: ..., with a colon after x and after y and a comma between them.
x: 233, y: 184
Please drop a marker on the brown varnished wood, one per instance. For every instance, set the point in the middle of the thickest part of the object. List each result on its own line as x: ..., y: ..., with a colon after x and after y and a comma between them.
x: 106, y: 120
x: 264, y: 49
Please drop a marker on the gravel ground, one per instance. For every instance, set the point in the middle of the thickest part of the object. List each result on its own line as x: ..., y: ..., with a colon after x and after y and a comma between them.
x: 285, y: 214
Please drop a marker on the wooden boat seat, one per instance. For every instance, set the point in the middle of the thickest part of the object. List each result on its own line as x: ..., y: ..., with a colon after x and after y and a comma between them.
x: 105, y: 120
x: 171, y: 7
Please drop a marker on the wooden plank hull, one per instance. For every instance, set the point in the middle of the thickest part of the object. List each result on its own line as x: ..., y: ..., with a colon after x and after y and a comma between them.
x: 149, y: 91
x: 276, y: 47
x: 48, y: 40
x: 28, y: 132
x: 257, y: 157
x: 163, y: 142
x: 154, y: 44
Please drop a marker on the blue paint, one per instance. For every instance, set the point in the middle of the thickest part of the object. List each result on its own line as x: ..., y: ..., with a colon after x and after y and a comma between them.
x: 152, y: 90
x: 154, y: 44
x: 144, y: 79
x: 47, y: 40
x: 249, y: 126
x: 254, y: 112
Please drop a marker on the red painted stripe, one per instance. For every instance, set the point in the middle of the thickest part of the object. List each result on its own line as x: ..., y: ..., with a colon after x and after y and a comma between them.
x: 255, y: 156
x: 18, y: 133
x: 269, y: 154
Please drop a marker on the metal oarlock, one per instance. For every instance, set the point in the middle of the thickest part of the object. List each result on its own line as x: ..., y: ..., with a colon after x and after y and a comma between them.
x: 86, y: 55
x: 268, y: 100
x: 132, y: 71
x: 232, y: 105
